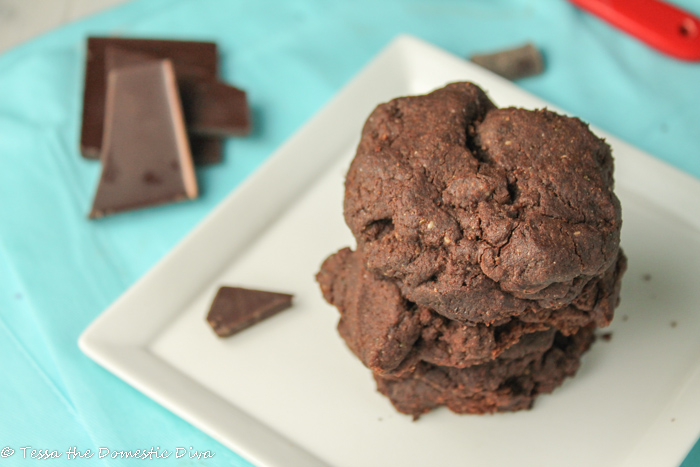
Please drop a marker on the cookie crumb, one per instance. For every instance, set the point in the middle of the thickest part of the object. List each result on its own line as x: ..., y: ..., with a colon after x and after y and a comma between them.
x: 607, y: 337
x: 625, y: 318
x: 646, y: 277
x: 673, y: 324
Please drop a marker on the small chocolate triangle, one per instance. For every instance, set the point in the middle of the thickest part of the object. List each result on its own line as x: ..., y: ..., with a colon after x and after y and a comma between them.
x: 235, y: 309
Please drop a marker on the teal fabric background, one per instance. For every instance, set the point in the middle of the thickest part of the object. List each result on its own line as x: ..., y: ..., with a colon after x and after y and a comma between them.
x: 58, y: 270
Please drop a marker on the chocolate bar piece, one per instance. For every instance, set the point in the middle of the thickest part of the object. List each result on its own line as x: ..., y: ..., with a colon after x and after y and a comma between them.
x: 215, y: 108
x: 513, y: 64
x: 205, y: 149
x: 211, y: 107
x: 235, y: 309
x: 190, y: 59
x: 146, y: 158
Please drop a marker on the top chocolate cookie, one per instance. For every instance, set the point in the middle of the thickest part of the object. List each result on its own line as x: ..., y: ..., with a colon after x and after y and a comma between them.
x: 477, y: 212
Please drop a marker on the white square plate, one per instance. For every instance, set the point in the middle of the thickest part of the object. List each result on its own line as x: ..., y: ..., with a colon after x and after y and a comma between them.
x: 293, y: 395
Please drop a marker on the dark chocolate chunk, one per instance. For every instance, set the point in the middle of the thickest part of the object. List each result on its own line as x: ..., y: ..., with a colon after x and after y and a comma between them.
x: 146, y: 159
x: 215, y: 108
x: 235, y: 309
x: 190, y: 59
x: 205, y: 149
x: 513, y: 64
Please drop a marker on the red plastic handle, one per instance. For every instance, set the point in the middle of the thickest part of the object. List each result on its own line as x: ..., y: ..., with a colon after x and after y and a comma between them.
x: 663, y: 26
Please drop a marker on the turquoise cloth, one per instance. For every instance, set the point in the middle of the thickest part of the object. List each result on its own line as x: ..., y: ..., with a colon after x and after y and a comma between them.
x: 58, y: 270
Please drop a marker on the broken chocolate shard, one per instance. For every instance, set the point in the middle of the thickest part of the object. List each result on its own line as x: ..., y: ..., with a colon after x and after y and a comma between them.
x: 235, y: 309
x: 198, y: 59
x: 205, y: 149
x: 146, y: 157
x: 215, y: 108
x: 512, y: 64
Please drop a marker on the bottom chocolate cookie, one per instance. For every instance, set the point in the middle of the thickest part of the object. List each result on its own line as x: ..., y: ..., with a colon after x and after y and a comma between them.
x: 502, y: 385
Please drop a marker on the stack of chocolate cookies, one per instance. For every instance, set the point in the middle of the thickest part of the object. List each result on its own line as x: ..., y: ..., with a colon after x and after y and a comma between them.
x: 487, y: 251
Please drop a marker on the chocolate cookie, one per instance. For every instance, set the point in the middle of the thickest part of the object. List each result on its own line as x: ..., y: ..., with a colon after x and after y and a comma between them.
x: 477, y: 212
x: 487, y: 251
x: 392, y: 335
x: 498, y: 386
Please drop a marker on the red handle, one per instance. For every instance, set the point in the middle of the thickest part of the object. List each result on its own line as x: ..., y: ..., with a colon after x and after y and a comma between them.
x: 661, y: 25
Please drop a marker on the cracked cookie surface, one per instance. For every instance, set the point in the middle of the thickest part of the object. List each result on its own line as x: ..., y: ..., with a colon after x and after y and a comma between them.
x: 482, y: 213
